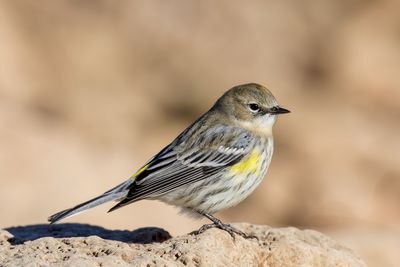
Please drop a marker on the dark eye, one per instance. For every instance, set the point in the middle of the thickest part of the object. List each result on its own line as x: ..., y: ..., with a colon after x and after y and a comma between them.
x: 254, y: 107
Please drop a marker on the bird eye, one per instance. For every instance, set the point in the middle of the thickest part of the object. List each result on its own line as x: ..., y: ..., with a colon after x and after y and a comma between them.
x: 254, y: 107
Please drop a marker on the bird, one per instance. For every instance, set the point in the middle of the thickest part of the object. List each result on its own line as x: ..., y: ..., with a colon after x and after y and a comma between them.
x: 214, y: 164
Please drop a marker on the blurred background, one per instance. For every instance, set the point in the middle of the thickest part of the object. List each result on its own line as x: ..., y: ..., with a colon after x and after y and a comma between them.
x: 90, y: 90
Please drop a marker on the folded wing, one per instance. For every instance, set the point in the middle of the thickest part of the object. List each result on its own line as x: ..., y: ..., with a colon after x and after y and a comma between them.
x: 196, y: 158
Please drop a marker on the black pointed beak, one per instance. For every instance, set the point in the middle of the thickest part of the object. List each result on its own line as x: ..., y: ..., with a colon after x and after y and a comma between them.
x: 279, y: 110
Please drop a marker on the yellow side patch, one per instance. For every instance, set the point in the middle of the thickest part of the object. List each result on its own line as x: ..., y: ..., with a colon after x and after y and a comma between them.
x: 248, y: 164
x: 133, y: 177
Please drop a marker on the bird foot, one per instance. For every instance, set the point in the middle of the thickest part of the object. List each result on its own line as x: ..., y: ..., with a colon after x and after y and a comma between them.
x: 226, y: 227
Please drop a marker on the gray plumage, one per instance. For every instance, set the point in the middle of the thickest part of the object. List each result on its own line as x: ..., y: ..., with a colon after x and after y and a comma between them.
x: 212, y: 165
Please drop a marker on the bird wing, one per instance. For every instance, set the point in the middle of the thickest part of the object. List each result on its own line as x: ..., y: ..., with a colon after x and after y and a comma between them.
x: 189, y: 160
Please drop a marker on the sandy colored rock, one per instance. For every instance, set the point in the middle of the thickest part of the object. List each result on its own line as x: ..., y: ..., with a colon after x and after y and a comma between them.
x: 86, y: 245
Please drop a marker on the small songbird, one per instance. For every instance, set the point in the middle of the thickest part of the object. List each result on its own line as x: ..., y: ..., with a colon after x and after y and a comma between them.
x: 212, y: 165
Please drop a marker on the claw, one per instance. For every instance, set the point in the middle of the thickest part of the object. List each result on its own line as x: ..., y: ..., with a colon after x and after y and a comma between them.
x: 219, y: 224
x: 225, y: 227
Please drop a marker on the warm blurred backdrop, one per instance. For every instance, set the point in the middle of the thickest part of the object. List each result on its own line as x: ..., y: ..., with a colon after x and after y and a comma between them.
x: 89, y: 90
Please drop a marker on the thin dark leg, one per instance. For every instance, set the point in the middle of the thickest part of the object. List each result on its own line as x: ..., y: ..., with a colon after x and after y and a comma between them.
x: 219, y: 224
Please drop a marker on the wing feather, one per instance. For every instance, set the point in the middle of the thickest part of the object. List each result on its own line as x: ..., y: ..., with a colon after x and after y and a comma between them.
x: 197, y: 158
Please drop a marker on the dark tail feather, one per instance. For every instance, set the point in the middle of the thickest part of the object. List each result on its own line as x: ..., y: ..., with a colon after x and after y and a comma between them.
x: 116, y: 193
x: 122, y: 203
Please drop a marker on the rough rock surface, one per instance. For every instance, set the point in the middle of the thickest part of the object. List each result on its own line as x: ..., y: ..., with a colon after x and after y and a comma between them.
x: 86, y: 245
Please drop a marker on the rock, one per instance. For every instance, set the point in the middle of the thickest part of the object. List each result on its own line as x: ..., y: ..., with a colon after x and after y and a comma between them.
x: 86, y: 245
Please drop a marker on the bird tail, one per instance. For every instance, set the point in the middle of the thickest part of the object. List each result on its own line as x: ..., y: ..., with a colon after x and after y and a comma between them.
x: 117, y: 192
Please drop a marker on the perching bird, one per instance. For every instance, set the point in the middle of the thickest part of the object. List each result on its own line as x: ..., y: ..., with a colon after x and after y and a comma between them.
x: 212, y: 165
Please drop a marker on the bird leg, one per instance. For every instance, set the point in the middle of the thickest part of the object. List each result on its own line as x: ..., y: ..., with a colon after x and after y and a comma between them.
x: 219, y: 224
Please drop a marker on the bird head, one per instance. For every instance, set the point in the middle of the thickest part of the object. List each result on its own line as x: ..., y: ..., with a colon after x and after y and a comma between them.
x: 251, y: 106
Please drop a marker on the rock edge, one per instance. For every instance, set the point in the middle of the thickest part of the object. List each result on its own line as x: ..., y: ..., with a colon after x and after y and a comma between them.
x: 86, y: 245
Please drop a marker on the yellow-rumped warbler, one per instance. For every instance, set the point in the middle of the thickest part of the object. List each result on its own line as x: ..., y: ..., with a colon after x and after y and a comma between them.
x: 212, y: 165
